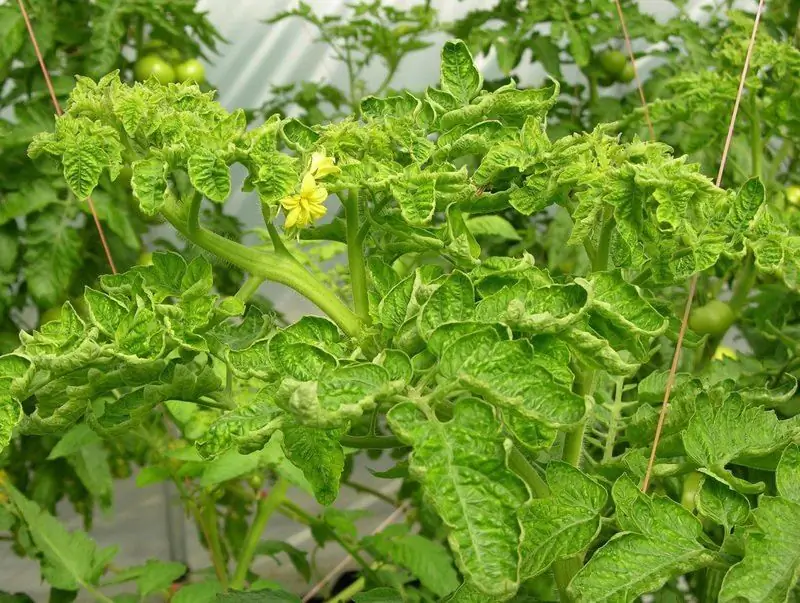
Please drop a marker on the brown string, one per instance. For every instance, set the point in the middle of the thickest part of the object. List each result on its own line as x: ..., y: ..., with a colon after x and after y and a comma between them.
x: 693, y: 285
x: 639, y: 86
x: 59, y: 112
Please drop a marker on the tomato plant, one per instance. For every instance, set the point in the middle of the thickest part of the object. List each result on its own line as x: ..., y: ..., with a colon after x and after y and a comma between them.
x: 501, y: 331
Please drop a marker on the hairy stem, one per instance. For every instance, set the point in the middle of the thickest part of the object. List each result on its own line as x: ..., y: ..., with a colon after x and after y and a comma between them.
x: 249, y: 288
x: 355, y: 257
x: 265, y: 508
x: 209, y: 520
x: 269, y: 266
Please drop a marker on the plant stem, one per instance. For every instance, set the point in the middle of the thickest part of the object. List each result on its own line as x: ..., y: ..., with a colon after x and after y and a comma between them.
x: 349, y: 548
x: 613, y: 423
x: 355, y: 257
x: 520, y: 465
x: 265, y: 508
x: 370, y: 442
x: 564, y: 570
x: 347, y: 594
x: 744, y: 283
x: 600, y: 262
x: 209, y: 519
x: 364, y: 489
x: 211, y: 403
x: 249, y: 288
x: 269, y: 266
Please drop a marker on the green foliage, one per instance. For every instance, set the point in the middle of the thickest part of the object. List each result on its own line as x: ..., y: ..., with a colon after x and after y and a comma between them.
x: 518, y: 396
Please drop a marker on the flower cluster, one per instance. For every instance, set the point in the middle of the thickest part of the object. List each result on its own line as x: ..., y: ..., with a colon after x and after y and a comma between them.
x: 308, y: 205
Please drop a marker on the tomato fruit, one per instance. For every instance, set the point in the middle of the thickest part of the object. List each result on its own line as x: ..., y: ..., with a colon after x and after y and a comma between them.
x: 191, y: 71
x: 793, y: 194
x: 154, y: 66
x: 723, y: 352
x: 605, y: 80
x: 626, y: 75
x: 145, y: 259
x: 613, y: 62
x: 712, y: 319
x: 50, y: 315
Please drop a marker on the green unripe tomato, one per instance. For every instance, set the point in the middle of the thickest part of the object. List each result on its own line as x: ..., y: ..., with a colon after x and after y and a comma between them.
x: 793, y: 195
x: 627, y: 74
x: 154, y: 66
x: 145, y: 259
x: 191, y: 71
x: 714, y: 319
x: 612, y: 62
x: 605, y: 80
x: 50, y: 315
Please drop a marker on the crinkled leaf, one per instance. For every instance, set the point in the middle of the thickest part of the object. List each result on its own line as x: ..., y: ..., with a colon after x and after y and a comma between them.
x: 427, y: 560
x: 149, y: 184
x: 770, y: 568
x: 507, y: 374
x: 318, y: 454
x: 461, y: 465
x: 453, y: 301
x: 210, y: 175
x: 563, y: 524
x: 460, y: 77
x: 723, y: 430
x: 659, y: 541
x: 340, y: 395
x: 721, y: 504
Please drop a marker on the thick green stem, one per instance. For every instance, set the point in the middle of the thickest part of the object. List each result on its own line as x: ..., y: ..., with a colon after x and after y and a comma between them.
x: 269, y: 266
x: 264, y: 510
x: 209, y: 519
x: 744, y: 283
x: 347, y: 594
x: 520, y: 465
x: 756, y: 144
x: 249, y: 288
x: 370, y: 442
x: 564, y: 570
x: 355, y: 257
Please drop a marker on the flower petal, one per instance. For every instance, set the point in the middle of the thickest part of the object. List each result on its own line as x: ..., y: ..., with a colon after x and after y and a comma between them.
x: 322, y: 166
x: 291, y: 201
x: 291, y: 218
x: 319, y: 195
x: 308, y: 185
x: 317, y: 211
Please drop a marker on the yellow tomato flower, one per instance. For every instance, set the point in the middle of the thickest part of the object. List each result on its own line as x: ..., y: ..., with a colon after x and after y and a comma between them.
x: 322, y: 165
x: 306, y: 207
x: 723, y: 352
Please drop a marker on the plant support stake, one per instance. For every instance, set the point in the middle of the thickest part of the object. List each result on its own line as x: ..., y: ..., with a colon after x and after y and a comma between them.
x: 57, y: 106
x: 693, y: 285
